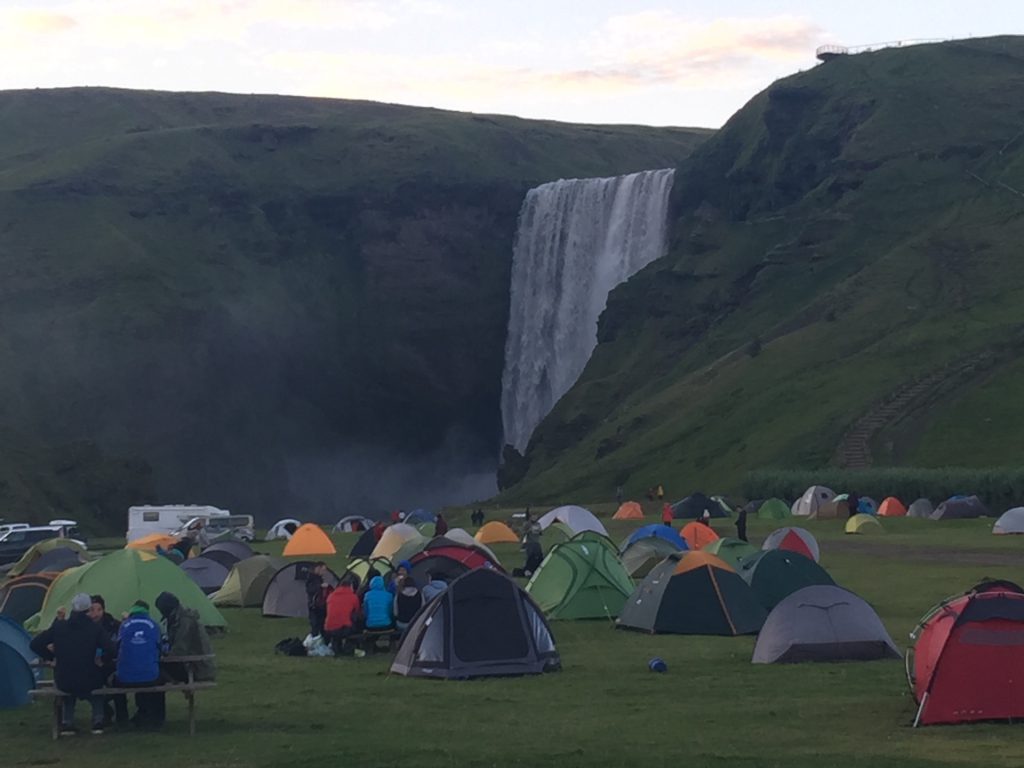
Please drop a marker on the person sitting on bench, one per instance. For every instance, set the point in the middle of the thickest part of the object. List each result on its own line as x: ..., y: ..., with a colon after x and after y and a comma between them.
x: 377, y: 606
x: 186, y: 636
x: 138, y: 664
x: 75, y: 644
x: 344, y: 618
x: 435, y: 586
x: 408, y: 601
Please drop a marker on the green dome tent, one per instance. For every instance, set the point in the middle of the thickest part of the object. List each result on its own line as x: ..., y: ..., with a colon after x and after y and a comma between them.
x: 731, y: 550
x: 581, y: 579
x: 775, y: 574
x: 247, y: 581
x: 123, y: 577
x: 774, y: 509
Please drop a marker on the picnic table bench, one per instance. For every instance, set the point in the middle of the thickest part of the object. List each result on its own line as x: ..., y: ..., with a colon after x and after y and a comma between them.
x: 369, y: 638
x: 47, y: 689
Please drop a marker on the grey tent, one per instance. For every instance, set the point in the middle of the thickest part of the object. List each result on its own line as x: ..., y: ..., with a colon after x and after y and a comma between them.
x: 643, y: 554
x: 695, y: 505
x: 483, y: 625
x: 56, y: 561
x: 960, y: 509
x: 208, y: 574
x: 1011, y: 521
x: 823, y: 623
x: 285, y: 595
x: 247, y: 581
x: 920, y: 508
x: 239, y: 550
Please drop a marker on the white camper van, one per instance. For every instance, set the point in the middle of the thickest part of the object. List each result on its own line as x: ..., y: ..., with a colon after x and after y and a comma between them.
x: 145, y: 520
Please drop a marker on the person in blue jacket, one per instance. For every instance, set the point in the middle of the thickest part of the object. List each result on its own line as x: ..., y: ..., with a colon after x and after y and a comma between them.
x: 378, y: 606
x: 138, y: 664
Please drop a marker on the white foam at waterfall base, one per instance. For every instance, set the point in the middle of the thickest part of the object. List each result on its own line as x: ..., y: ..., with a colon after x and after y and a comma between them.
x: 577, y: 239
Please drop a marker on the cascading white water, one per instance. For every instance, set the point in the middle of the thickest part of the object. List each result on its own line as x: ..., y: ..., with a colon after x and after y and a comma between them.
x: 577, y: 240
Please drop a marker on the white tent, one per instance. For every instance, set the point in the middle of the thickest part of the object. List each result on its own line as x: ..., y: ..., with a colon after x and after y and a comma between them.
x: 352, y: 523
x: 1011, y: 521
x: 463, y: 537
x: 813, y: 499
x: 577, y: 518
x: 282, y: 529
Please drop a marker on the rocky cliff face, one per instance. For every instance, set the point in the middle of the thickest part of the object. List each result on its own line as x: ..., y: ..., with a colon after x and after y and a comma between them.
x: 272, y: 304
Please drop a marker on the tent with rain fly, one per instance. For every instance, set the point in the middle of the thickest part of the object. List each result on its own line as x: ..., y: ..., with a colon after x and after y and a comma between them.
x: 891, y: 507
x: 419, y: 516
x: 629, y: 510
x: 122, y: 577
x: 666, y: 532
x: 920, y: 508
x: 727, y: 506
x: 361, y: 567
x: 57, y: 561
x: 353, y: 523
x: 838, y: 508
x: 247, y: 581
x: 23, y: 596
x: 866, y: 505
x: 774, y: 509
x: 1011, y: 521
x: 153, y: 541
x: 208, y: 574
x: 576, y: 518
x: 466, y: 539
x: 285, y: 595
x: 282, y: 529
x: 483, y: 625
x: 795, y: 540
x: 960, y: 508
x: 863, y: 523
x: 496, y: 532
x: 642, y: 555
x: 364, y: 544
x: 698, y: 535
x: 581, y: 579
x: 446, y: 560
x: 730, y: 550
x: 823, y: 623
x: 41, y: 548
x: 777, y: 573
x: 394, y: 537
x: 692, y: 593
x: 16, y: 675
x: 309, y: 541
x: 967, y: 661
x: 814, y: 498
x: 695, y: 505
x: 411, y: 548
x: 238, y: 550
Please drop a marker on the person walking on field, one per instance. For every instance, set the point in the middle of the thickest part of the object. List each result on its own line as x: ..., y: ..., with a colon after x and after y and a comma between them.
x: 661, y: 492
x: 666, y: 515
x: 741, y: 524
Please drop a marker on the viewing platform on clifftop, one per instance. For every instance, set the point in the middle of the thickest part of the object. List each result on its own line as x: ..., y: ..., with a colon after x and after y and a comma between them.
x: 829, y: 52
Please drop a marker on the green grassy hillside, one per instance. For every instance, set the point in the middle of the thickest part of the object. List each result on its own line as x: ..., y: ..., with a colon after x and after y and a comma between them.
x: 266, y: 303
x: 850, y: 231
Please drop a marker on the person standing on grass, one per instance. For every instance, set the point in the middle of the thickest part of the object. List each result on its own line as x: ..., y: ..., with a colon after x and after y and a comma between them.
x: 138, y: 664
x: 317, y: 591
x: 661, y: 492
x: 440, y: 525
x: 741, y: 523
x: 76, y: 644
x: 666, y: 514
x: 531, y: 544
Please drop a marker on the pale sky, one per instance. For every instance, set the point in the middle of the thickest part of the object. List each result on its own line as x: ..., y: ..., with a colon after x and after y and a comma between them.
x: 672, y: 62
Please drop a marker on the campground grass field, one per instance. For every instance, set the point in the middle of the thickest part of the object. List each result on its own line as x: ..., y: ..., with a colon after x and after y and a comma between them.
x: 712, y: 708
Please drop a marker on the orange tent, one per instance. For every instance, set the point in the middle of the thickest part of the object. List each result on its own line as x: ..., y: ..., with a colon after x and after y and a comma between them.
x: 698, y: 535
x: 496, y: 532
x: 892, y: 507
x: 309, y: 539
x: 629, y: 511
x: 150, y: 542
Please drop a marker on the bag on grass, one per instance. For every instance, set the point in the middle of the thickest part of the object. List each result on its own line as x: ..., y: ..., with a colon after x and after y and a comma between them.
x: 290, y: 646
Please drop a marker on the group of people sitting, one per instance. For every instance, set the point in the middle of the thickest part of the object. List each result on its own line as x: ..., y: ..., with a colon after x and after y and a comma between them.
x: 91, y: 649
x: 339, y: 614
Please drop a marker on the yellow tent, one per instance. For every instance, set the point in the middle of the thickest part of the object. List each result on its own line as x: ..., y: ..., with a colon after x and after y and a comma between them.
x: 309, y: 539
x: 864, y: 524
x: 395, y: 536
x: 496, y: 532
x: 152, y: 541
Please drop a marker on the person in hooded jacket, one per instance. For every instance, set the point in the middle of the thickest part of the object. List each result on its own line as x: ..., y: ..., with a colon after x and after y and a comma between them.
x: 377, y: 606
x: 186, y: 636
x: 344, y: 617
x: 138, y: 664
x: 75, y: 644
x: 435, y: 586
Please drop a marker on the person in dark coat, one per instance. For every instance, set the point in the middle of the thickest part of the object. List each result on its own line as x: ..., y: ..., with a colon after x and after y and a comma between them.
x: 114, y: 707
x: 317, y: 591
x: 741, y: 524
x: 186, y: 636
x: 440, y: 525
x: 853, y: 502
x: 75, y: 644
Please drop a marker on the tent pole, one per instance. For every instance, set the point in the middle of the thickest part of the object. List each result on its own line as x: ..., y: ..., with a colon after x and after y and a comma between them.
x: 920, y: 709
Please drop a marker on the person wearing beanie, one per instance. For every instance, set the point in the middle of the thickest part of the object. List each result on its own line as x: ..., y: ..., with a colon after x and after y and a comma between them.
x: 138, y: 664
x: 186, y: 636
x: 75, y: 644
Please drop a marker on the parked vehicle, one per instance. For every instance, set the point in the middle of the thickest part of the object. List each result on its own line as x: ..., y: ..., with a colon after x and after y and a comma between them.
x: 144, y: 520
x: 5, y: 527
x: 236, y: 526
x: 16, y: 543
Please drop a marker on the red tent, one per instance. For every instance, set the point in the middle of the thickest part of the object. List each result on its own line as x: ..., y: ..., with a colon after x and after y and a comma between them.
x: 968, y: 660
x: 449, y: 561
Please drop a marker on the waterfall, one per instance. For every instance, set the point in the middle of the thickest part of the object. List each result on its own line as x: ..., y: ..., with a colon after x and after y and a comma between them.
x: 577, y: 239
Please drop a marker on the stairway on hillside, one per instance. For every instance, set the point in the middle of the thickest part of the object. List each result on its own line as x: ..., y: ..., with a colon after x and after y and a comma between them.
x: 854, y: 449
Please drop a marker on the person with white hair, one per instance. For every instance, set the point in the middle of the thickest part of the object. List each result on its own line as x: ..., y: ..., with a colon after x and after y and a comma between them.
x: 74, y: 644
